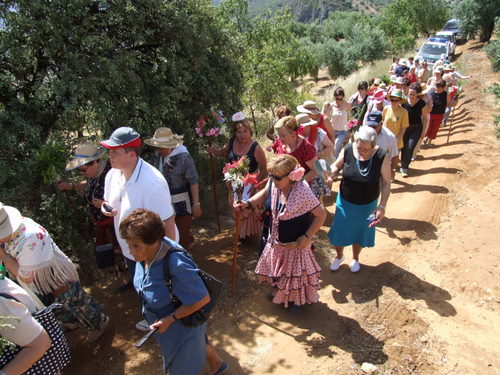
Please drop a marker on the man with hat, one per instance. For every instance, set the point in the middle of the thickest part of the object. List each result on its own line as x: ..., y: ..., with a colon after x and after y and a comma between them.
x: 385, y: 138
x: 87, y: 159
x: 133, y: 183
x: 322, y: 118
x: 29, y: 253
x: 173, y: 160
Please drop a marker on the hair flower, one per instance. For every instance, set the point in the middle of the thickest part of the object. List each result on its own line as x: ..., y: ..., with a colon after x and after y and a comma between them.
x: 296, y: 174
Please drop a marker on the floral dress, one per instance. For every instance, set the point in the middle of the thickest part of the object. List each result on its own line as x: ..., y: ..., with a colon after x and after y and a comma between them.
x: 292, y: 270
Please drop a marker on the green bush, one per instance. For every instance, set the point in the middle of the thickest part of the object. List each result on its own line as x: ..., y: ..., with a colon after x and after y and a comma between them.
x: 493, y: 51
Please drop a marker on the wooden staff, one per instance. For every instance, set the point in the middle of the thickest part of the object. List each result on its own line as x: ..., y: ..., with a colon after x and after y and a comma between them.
x: 236, y: 237
x: 214, y: 185
x: 450, y: 118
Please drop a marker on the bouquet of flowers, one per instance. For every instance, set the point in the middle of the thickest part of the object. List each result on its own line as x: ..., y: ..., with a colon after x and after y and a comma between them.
x: 211, y: 126
x: 236, y: 173
x: 357, y: 120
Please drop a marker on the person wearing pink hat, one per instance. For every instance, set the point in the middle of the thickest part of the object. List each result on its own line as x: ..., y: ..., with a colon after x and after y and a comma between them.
x: 377, y: 102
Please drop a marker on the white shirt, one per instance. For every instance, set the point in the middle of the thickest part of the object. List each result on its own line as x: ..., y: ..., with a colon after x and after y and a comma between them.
x: 387, y: 141
x: 26, y: 328
x: 146, y: 188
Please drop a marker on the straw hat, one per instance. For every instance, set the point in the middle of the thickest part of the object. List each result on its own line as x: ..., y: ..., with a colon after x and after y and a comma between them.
x: 84, y: 153
x: 164, y: 138
x: 10, y: 219
x: 397, y: 93
x: 304, y: 119
x: 308, y: 107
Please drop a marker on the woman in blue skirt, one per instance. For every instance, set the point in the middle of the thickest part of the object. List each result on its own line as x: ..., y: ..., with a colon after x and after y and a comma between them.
x: 366, y: 175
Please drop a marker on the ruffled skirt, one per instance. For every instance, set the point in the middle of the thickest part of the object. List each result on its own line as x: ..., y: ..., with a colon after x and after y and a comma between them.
x: 293, y: 271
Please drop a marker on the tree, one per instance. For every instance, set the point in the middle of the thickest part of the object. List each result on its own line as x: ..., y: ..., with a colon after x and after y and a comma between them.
x: 478, y: 16
x: 92, y: 66
x: 403, y: 20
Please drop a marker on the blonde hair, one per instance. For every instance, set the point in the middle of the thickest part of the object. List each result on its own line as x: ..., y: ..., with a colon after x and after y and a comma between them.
x: 287, y: 122
x: 282, y: 165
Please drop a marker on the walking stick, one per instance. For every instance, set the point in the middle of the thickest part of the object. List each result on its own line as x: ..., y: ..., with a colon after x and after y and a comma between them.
x: 214, y: 187
x: 452, y: 112
x: 236, y: 237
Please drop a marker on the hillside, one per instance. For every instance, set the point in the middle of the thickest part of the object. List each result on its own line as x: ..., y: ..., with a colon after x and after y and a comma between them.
x: 311, y: 10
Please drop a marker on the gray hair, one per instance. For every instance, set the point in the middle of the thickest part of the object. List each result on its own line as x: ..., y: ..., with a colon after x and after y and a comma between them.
x: 366, y: 134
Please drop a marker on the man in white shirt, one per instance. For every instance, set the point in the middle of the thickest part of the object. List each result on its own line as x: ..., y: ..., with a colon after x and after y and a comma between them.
x: 386, y: 140
x: 133, y: 183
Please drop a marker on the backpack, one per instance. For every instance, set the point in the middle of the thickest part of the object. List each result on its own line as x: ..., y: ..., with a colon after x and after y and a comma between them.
x: 212, y: 284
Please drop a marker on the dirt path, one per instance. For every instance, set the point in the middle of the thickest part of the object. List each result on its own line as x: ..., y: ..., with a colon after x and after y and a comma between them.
x: 425, y: 301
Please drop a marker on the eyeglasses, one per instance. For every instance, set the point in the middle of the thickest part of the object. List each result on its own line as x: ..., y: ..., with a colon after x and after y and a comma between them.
x: 277, y: 178
x: 342, y: 98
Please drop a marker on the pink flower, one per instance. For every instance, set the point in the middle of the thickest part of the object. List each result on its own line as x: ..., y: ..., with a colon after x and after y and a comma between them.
x: 39, y: 236
x: 296, y: 174
x: 199, y: 132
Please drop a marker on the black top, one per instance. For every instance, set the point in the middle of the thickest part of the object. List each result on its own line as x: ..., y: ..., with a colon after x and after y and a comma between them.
x: 358, y: 188
x: 439, y: 102
x: 95, y: 189
x: 250, y: 154
x: 414, y: 112
x: 356, y: 106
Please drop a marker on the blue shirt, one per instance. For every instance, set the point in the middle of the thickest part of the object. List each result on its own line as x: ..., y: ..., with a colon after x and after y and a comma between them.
x: 183, y: 348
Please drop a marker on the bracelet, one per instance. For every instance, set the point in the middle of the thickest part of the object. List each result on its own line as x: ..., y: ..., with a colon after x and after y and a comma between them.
x: 305, y: 234
x: 382, y: 207
x: 173, y: 317
x: 197, y: 204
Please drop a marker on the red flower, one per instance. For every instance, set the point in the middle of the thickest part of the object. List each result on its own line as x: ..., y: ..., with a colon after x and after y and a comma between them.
x: 39, y: 236
x: 201, y: 122
x: 250, y: 179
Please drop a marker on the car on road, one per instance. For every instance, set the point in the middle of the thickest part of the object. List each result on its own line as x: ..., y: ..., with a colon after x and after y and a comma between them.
x: 453, y: 25
x: 432, y: 49
x: 450, y: 37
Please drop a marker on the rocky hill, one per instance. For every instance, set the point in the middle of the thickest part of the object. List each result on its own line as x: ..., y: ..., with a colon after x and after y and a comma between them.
x: 311, y: 10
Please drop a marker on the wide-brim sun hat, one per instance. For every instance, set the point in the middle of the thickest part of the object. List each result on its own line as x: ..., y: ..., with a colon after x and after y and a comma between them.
x: 121, y: 138
x: 398, y: 94
x: 10, y: 220
x: 308, y: 107
x: 85, y: 153
x: 379, y: 96
x: 164, y: 138
x: 304, y: 120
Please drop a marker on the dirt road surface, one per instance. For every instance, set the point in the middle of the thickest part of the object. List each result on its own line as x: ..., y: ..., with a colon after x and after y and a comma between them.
x: 425, y: 301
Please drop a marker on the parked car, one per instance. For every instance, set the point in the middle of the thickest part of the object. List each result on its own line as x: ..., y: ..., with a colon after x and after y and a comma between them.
x: 453, y: 25
x: 432, y: 49
x: 450, y: 37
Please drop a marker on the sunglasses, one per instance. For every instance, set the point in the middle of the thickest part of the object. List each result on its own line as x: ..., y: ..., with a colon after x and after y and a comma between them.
x: 84, y: 167
x: 277, y: 178
x: 339, y: 98
x: 395, y: 100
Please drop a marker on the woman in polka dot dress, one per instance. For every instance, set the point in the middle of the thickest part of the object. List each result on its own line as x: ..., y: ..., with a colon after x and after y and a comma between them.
x: 287, y: 262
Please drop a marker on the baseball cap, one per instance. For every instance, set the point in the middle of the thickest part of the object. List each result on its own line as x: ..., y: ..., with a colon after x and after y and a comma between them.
x: 373, y: 118
x: 122, y: 137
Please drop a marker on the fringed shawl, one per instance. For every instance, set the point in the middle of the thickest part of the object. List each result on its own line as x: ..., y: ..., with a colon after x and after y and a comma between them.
x: 40, y: 259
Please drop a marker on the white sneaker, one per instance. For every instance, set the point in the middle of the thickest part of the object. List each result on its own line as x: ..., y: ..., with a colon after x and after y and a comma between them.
x: 336, y: 263
x: 354, y: 266
x: 143, y: 326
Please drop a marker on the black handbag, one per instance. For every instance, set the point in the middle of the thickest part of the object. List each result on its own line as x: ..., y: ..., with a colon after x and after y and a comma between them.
x: 213, y: 285
x: 57, y: 357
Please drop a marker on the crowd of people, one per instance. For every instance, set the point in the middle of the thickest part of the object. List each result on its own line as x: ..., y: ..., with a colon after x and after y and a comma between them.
x: 143, y: 209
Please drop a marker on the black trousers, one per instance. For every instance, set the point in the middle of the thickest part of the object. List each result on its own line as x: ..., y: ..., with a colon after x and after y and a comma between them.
x: 410, y: 140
